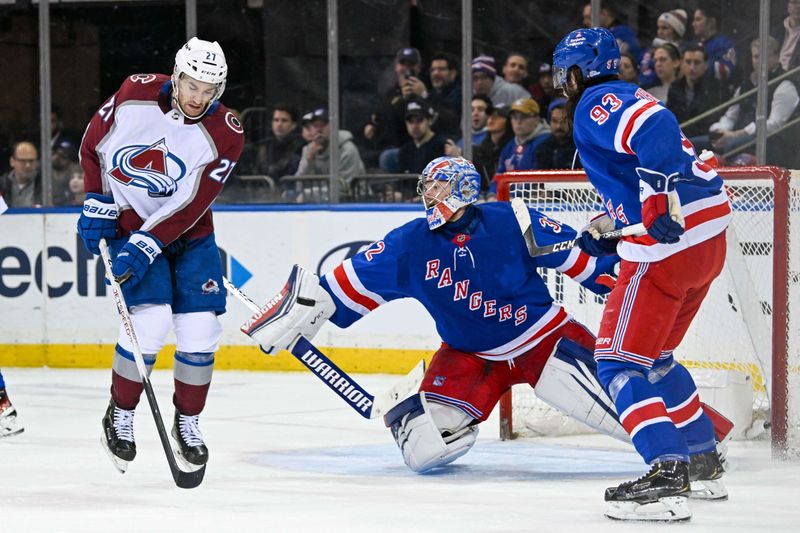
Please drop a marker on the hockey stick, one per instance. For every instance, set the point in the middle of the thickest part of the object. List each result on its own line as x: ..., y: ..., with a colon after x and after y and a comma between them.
x: 183, y: 479
x: 364, y: 403
x: 523, y: 217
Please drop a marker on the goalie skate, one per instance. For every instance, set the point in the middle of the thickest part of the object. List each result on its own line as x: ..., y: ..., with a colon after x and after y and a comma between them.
x: 660, y: 495
x: 9, y: 424
x: 117, y: 438
x: 187, y: 443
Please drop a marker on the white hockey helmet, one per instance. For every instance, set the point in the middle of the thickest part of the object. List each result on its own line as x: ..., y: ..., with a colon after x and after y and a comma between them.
x: 204, y: 61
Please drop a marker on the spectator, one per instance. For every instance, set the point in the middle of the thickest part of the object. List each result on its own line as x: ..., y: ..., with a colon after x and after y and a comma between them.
x: 529, y: 132
x: 670, y: 28
x: 542, y: 91
x: 425, y: 145
x: 279, y: 155
x: 694, y: 93
x: 557, y: 150
x: 611, y: 18
x: 515, y: 69
x: 22, y: 186
x: 76, y: 188
x: 667, y: 63
x: 59, y: 133
x: 385, y: 129
x: 305, y: 127
x: 720, y: 49
x: 486, y: 81
x: 481, y: 108
x: 790, y: 54
x: 315, y: 156
x: 445, y: 95
x: 63, y: 166
x: 737, y: 127
x: 628, y: 71
x: 487, y: 153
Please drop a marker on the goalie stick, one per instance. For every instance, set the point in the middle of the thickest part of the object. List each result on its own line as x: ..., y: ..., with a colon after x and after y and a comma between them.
x: 183, y: 479
x: 364, y: 403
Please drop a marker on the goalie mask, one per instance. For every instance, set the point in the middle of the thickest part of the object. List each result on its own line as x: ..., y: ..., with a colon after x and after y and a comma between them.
x: 446, y: 185
x: 202, y: 61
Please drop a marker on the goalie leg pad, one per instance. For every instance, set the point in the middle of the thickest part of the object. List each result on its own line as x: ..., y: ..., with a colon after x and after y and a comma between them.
x: 569, y: 383
x: 430, y: 434
x: 300, y: 308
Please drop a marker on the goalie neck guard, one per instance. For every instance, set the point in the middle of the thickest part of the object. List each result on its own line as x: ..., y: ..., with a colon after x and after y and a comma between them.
x: 203, y: 61
x: 446, y: 185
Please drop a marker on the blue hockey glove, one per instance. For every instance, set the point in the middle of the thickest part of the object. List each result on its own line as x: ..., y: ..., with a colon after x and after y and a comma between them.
x: 658, y: 220
x: 98, y: 221
x: 135, y: 258
x: 597, y: 247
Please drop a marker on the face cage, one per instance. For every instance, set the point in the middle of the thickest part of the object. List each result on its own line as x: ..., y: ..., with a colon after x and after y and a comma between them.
x: 421, y: 190
x: 176, y: 78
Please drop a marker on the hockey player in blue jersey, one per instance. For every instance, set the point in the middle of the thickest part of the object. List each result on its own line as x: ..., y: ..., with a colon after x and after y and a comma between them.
x: 468, y: 265
x: 646, y: 171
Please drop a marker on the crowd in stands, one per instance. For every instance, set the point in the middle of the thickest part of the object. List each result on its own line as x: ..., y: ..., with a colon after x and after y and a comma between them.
x: 518, y: 122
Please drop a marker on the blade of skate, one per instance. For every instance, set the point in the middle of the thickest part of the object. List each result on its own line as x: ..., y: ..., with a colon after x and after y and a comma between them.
x: 669, y: 509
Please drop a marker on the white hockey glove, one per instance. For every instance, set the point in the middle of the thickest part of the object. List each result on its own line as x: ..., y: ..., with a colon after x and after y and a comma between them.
x: 424, y: 443
x: 300, y: 308
x: 600, y: 224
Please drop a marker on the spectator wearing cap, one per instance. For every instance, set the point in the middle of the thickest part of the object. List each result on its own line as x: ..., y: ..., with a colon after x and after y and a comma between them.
x: 305, y: 127
x: 487, y: 153
x: 721, y: 49
x: 385, y: 129
x: 694, y: 93
x: 481, y: 108
x: 543, y: 91
x: 790, y: 53
x: 425, y: 145
x: 486, y: 81
x: 529, y: 132
x: 59, y: 133
x: 670, y: 28
x: 21, y: 186
x: 557, y: 150
x: 63, y: 166
x: 315, y: 156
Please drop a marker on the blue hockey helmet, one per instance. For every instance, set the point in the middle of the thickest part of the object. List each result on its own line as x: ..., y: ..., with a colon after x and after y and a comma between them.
x: 440, y: 200
x: 594, y: 50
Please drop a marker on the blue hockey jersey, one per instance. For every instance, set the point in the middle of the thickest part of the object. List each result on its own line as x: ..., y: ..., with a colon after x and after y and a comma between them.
x: 474, y: 276
x: 620, y: 128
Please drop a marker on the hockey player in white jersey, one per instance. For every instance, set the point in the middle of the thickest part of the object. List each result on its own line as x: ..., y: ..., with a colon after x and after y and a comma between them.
x: 9, y: 421
x: 156, y: 155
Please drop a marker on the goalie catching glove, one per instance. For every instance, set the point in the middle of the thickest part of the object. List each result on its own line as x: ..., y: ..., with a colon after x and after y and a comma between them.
x: 300, y: 308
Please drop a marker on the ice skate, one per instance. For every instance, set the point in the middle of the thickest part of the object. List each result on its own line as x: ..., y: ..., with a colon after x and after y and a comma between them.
x: 190, y: 450
x: 659, y: 495
x: 705, y: 470
x: 9, y: 424
x: 117, y: 437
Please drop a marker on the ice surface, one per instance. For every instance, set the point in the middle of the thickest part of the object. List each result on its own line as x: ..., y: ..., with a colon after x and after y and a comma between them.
x: 287, y: 455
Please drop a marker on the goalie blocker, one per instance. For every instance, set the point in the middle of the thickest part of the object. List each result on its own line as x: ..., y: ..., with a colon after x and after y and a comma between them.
x: 299, y: 309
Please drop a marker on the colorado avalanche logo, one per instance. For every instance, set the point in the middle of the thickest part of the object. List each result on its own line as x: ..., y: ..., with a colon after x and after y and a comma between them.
x: 210, y: 287
x: 152, y: 167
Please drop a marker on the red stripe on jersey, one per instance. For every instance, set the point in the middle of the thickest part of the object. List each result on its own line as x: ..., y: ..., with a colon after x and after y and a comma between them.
x: 691, y: 221
x: 545, y: 330
x: 579, y: 266
x: 350, y: 291
x: 626, y: 133
x: 685, y: 413
x: 642, y: 414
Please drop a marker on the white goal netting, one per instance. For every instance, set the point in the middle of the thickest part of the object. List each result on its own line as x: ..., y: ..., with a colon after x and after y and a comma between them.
x: 744, y: 346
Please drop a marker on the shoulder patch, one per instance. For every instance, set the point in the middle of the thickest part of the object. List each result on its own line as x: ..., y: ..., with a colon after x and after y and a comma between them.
x: 233, y: 123
x: 142, y: 78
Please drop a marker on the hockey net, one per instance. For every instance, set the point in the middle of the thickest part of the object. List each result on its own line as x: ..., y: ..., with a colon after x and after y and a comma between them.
x: 743, y: 348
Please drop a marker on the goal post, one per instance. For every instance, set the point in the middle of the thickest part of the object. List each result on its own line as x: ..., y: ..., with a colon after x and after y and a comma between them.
x: 745, y: 339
